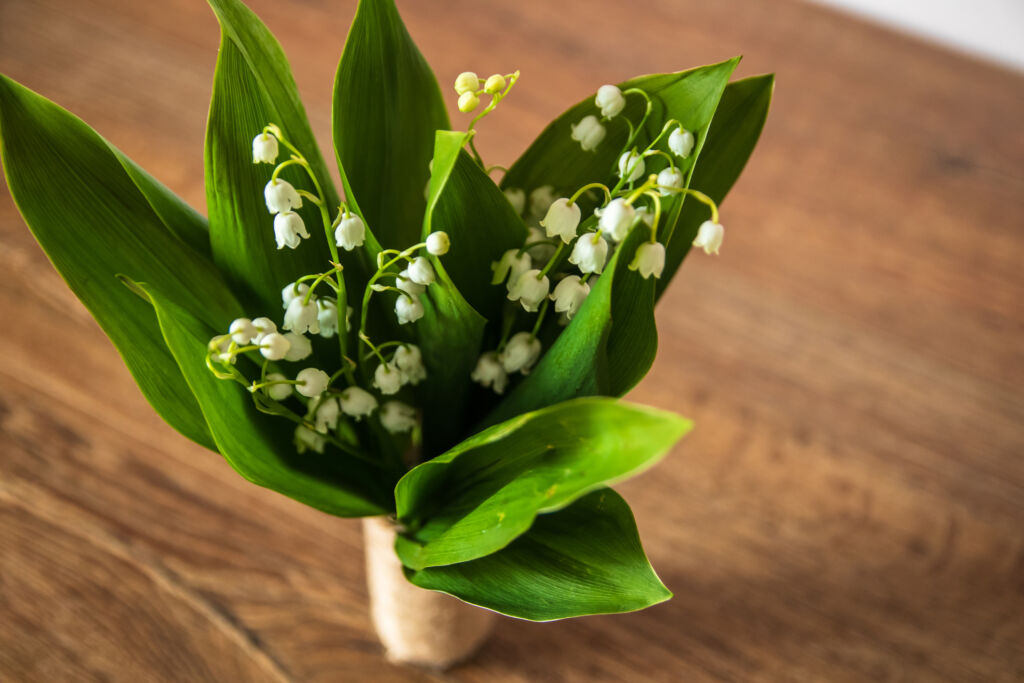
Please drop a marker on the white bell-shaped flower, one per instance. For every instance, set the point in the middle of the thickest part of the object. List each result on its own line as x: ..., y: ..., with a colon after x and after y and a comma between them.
x: 420, y: 271
x: 542, y: 249
x: 292, y: 291
x: 273, y: 346
x: 299, y: 347
x: 438, y: 243
x: 645, y: 215
x: 588, y: 132
x: 264, y: 326
x: 387, y: 378
x: 680, y: 141
x: 281, y: 196
x: 517, y: 198
x: 529, y: 289
x: 540, y: 200
x: 350, y: 233
x: 520, y: 353
x: 467, y: 81
x: 610, y: 101
x: 709, y: 237
x: 312, y: 382
x: 289, y: 230
x: 490, y: 373
x: 264, y: 149
x: 404, y: 282
x: 308, y: 440
x: 569, y: 294
x: 397, y: 417
x: 649, y: 259
x: 511, y: 265
x: 616, y: 219
x: 302, y: 316
x: 278, y: 392
x: 669, y: 178
x: 327, y: 316
x: 631, y: 166
x: 409, y: 309
x: 562, y: 220
x: 242, y: 331
x: 409, y: 360
x: 357, y: 402
x: 589, y: 254
x: 325, y: 411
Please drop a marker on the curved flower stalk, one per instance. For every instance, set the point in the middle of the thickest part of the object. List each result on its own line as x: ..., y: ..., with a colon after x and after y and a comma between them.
x: 450, y: 357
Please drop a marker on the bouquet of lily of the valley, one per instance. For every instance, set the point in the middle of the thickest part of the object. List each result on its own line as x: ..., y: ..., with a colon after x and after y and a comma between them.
x: 437, y: 346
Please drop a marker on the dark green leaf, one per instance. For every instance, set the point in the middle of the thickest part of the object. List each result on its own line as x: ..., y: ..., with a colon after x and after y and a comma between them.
x: 474, y: 499
x: 260, y: 446
x: 386, y: 108
x: 94, y: 221
x: 252, y: 87
x: 583, y: 559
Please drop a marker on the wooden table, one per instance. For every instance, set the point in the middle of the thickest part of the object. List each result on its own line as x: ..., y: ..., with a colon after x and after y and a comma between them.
x: 850, y: 508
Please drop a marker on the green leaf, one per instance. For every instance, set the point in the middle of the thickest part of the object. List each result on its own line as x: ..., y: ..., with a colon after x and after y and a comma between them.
x: 260, y: 446
x: 737, y: 126
x: 476, y: 498
x: 96, y: 217
x: 386, y: 108
x: 479, y: 220
x: 583, y: 559
x: 252, y: 87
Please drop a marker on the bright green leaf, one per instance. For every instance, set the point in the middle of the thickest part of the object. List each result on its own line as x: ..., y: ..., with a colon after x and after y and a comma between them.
x: 583, y: 559
x: 386, y: 108
x: 476, y: 498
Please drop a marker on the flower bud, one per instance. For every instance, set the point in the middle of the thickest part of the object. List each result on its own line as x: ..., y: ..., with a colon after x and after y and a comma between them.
x: 529, y: 289
x: 680, y: 141
x: 588, y: 132
x: 289, y: 230
x: 264, y: 149
x: 494, y: 84
x: 299, y: 347
x: 562, y: 220
x: 397, y: 417
x: 616, y: 219
x: 466, y: 81
x: 292, y: 291
x: 278, y: 392
x: 308, y: 440
x: 520, y: 353
x: 511, y: 265
x: 631, y: 166
x: 221, y: 346
x: 387, y: 378
x: 490, y: 373
x: 468, y: 101
x: 404, y: 282
x: 281, y: 196
x: 517, y: 198
x: 302, y: 316
x: 649, y: 259
x: 264, y: 326
x: 589, y: 254
x: 350, y: 233
x: 325, y: 413
x: 709, y: 237
x: 356, y: 402
x: 438, y: 243
x: 409, y: 361
x: 273, y: 346
x: 408, y: 309
x: 669, y: 177
x: 569, y: 295
x: 312, y: 382
x: 242, y: 331
x: 420, y: 271
x: 610, y: 101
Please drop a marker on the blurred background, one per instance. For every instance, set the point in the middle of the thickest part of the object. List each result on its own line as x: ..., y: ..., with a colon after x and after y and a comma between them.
x: 851, y: 504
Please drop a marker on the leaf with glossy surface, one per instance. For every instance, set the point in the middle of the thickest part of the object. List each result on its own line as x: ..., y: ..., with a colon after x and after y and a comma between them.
x: 385, y: 111
x: 476, y: 498
x: 584, y: 559
x: 94, y: 221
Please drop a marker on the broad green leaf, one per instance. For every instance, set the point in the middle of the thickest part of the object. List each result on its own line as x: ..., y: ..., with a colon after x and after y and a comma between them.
x: 476, y: 498
x: 730, y: 141
x: 252, y: 87
x: 94, y: 221
x: 386, y: 108
x: 583, y: 559
x: 260, y: 446
x: 480, y: 222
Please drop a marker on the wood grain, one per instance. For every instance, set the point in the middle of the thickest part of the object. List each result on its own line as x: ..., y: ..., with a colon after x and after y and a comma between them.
x: 850, y: 508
